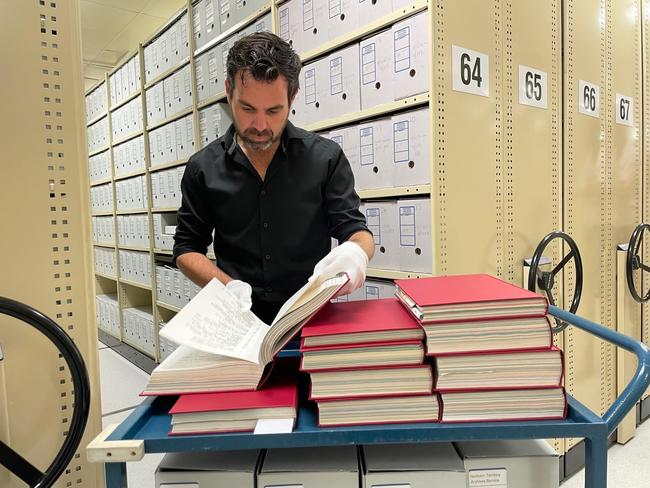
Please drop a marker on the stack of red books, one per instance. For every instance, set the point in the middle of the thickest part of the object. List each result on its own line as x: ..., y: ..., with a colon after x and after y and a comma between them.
x: 491, y: 345
x: 366, y: 364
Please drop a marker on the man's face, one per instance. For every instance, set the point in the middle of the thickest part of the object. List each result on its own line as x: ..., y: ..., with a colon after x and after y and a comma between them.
x: 259, y: 110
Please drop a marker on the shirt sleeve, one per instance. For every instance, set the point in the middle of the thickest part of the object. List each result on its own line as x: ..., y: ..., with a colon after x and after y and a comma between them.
x: 341, y: 200
x: 194, y: 227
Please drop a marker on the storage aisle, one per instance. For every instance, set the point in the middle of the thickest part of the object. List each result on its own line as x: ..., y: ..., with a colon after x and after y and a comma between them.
x: 121, y: 382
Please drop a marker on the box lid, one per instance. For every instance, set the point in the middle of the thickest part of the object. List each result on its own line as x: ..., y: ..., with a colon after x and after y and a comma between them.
x: 243, y: 461
x: 313, y: 459
x: 425, y: 456
x: 505, y: 449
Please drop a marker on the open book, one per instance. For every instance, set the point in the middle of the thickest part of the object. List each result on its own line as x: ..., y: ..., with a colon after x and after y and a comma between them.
x: 225, y: 349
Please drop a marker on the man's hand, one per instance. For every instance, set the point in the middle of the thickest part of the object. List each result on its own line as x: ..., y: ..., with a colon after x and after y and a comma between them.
x: 243, y: 292
x: 346, y: 258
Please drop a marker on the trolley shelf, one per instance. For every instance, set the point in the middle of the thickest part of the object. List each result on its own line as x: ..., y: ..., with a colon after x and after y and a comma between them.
x: 145, y: 430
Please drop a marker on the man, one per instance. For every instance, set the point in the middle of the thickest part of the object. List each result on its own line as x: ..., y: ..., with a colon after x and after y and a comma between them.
x: 272, y: 193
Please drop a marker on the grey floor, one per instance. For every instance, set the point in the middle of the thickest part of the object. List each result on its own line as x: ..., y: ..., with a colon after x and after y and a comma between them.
x: 121, y: 382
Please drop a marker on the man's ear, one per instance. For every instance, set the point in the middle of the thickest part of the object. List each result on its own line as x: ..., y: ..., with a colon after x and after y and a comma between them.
x: 293, y: 98
x: 228, y: 90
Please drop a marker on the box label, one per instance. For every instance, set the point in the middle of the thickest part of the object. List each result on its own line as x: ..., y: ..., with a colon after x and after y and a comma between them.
x: 492, y: 478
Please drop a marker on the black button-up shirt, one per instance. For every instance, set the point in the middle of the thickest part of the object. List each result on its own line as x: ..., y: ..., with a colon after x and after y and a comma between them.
x: 268, y: 233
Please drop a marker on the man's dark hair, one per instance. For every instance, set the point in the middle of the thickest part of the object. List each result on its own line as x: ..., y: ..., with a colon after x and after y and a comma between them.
x: 265, y: 56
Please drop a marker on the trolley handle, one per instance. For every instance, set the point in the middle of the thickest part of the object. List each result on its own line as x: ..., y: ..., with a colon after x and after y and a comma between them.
x: 639, y: 382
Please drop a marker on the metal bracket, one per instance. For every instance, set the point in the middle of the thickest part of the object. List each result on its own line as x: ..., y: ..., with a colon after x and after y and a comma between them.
x: 102, y: 451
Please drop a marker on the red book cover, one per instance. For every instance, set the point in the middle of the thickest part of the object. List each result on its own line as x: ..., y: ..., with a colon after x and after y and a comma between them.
x: 279, y: 395
x: 468, y: 292
x: 362, y: 318
x: 486, y: 384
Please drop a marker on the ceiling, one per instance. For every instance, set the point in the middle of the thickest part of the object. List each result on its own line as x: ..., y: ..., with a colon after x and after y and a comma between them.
x: 111, y: 29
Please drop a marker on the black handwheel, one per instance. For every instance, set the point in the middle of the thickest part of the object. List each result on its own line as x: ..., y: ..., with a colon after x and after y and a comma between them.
x: 9, y: 458
x: 546, y: 279
x: 633, y: 262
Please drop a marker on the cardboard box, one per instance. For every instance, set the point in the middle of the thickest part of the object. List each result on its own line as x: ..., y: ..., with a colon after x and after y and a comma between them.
x: 376, y: 61
x: 381, y: 218
x: 415, y: 236
x: 527, y: 463
x: 208, y: 469
x: 314, y: 467
x: 344, y: 88
x: 411, y: 149
x: 417, y: 465
x: 411, y: 56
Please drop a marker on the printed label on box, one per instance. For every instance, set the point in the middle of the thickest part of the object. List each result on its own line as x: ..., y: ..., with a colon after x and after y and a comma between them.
x: 492, y: 478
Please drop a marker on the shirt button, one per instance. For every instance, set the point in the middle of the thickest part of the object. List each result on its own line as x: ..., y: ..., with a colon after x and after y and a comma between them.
x: 263, y: 192
x: 268, y: 289
x: 266, y: 225
x: 267, y: 257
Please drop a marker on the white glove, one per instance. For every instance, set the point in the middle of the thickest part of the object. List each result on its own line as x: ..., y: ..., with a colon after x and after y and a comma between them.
x: 243, y: 292
x: 346, y: 258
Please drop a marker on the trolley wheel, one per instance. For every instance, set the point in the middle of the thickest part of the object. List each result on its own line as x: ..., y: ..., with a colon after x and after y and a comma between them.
x: 633, y: 262
x: 546, y: 279
x: 9, y: 458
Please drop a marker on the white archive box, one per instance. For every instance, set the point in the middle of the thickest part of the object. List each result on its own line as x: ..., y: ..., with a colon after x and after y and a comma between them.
x: 290, y: 22
x: 212, y: 26
x: 371, y: 10
x: 198, y: 24
x: 205, y: 88
x: 376, y: 61
x: 298, y: 109
x: 222, y: 62
x: 179, y: 40
x: 346, y: 137
x: 314, y: 16
x: 411, y: 148
x: 227, y: 16
x: 343, y: 78
x: 232, y: 469
x: 155, y: 98
x: 263, y: 24
x: 375, y: 169
x: 343, y: 17
x: 411, y: 56
x: 357, y: 295
x: 184, y: 130
x: 527, y: 463
x: 381, y: 218
x: 313, y: 467
x: 178, y: 91
x: 415, y: 241
x: 169, y: 142
x: 156, y: 147
x: 376, y: 289
x: 315, y: 85
x: 214, y: 121
x: 162, y: 239
x: 416, y: 465
x: 245, y: 8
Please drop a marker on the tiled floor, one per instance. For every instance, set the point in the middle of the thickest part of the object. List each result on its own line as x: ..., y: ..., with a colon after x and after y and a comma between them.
x: 628, y: 466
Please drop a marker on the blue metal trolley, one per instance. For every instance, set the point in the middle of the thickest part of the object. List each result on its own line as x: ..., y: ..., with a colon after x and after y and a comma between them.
x: 145, y: 430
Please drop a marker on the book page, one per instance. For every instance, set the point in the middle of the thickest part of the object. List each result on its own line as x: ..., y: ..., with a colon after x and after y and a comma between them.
x: 307, y: 292
x: 213, y: 322
x: 295, y: 312
x: 185, y: 357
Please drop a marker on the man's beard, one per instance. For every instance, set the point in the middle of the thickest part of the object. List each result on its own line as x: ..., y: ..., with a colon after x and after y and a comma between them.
x: 246, y: 138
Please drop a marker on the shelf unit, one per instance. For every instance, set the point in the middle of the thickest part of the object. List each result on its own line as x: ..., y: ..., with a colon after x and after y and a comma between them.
x: 132, y: 293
